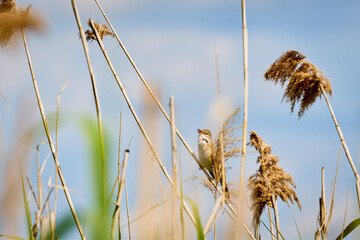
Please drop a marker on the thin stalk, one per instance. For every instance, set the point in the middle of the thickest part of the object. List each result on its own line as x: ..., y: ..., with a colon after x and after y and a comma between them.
x: 221, y: 130
x: 127, y: 209
x: 57, y: 148
x: 119, y: 194
x: 214, y: 211
x: 322, y: 217
x: 276, y: 213
x: 271, y: 224
x: 167, y: 175
x: 96, y: 98
x: 174, y: 167
x: 51, y: 145
x: 346, y: 207
x: 246, y: 80
x: 347, y: 152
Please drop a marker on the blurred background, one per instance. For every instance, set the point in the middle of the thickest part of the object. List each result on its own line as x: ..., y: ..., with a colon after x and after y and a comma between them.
x: 174, y: 44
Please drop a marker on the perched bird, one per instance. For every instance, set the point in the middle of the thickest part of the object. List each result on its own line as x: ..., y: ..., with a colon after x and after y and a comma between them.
x: 205, y: 149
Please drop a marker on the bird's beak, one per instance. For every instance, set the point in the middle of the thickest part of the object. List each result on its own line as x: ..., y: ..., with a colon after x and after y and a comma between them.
x: 199, y: 131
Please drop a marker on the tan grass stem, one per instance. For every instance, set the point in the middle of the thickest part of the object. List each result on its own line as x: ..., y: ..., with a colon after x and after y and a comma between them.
x: 322, y: 201
x: 341, y: 136
x: 276, y: 214
x: 246, y: 80
x: 116, y: 213
x: 271, y: 223
x: 213, y: 213
x: 51, y: 145
x: 174, y: 228
x: 95, y: 93
x: 167, y: 175
x: 127, y: 210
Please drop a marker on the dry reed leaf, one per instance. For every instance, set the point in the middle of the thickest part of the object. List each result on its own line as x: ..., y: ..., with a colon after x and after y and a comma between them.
x: 13, y: 19
x: 270, y: 179
x: 304, y: 79
x: 102, y: 29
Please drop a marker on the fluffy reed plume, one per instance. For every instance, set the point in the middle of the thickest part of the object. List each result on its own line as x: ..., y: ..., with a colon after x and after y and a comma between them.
x: 102, y: 29
x: 230, y: 144
x: 304, y: 79
x: 230, y: 148
x: 270, y: 179
x: 13, y: 19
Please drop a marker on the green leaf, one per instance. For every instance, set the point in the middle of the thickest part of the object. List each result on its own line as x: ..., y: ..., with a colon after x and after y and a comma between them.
x: 198, y: 225
x: 12, y: 237
x: 27, y: 209
x: 349, y: 228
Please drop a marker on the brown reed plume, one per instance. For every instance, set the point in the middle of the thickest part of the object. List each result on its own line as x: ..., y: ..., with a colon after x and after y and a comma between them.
x: 102, y: 29
x: 13, y: 19
x: 230, y: 149
x: 269, y: 180
x: 304, y: 79
x: 306, y: 83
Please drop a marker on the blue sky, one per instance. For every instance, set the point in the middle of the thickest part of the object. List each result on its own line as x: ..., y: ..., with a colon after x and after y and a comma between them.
x: 173, y: 44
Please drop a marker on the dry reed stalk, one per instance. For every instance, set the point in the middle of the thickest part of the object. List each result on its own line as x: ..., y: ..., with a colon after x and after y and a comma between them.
x: 115, y: 217
x: 246, y: 83
x: 95, y: 93
x: 213, y: 213
x: 57, y: 151
x: 127, y: 210
x: 276, y: 216
x: 223, y: 182
x: 174, y: 228
x: 51, y: 145
x: 346, y: 207
x: 269, y: 182
x: 167, y: 175
x: 322, y: 202
x: 271, y: 223
x: 305, y: 84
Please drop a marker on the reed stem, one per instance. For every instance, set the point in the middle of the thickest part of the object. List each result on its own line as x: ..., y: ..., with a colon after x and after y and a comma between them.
x: 51, y: 145
x: 341, y: 136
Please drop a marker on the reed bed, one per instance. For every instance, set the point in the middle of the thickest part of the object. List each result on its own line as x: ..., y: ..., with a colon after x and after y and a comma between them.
x: 164, y: 203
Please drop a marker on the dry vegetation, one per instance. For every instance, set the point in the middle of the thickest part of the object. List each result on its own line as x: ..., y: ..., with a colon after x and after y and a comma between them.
x: 304, y: 84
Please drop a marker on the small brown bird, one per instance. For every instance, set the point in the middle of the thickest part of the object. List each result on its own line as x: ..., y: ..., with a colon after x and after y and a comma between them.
x: 205, y: 149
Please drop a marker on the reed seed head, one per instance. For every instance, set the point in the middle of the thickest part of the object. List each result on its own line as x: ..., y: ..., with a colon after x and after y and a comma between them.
x: 270, y: 179
x: 102, y: 29
x: 304, y: 79
x: 13, y: 19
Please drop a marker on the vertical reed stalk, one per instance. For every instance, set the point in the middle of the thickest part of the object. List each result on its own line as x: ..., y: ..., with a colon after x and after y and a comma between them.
x: 276, y: 214
x: 271, y: 224
x: 174, y: 167
x: 96, y: 98
x: 118, y: 197
x: 127, y: 210
x: 322, y: 217
x: 246, y: 80
x: 213, y: 213
x: 221, y: 130
x: 341, y: 136
x: 51, y: 145
x: 167, y: 175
